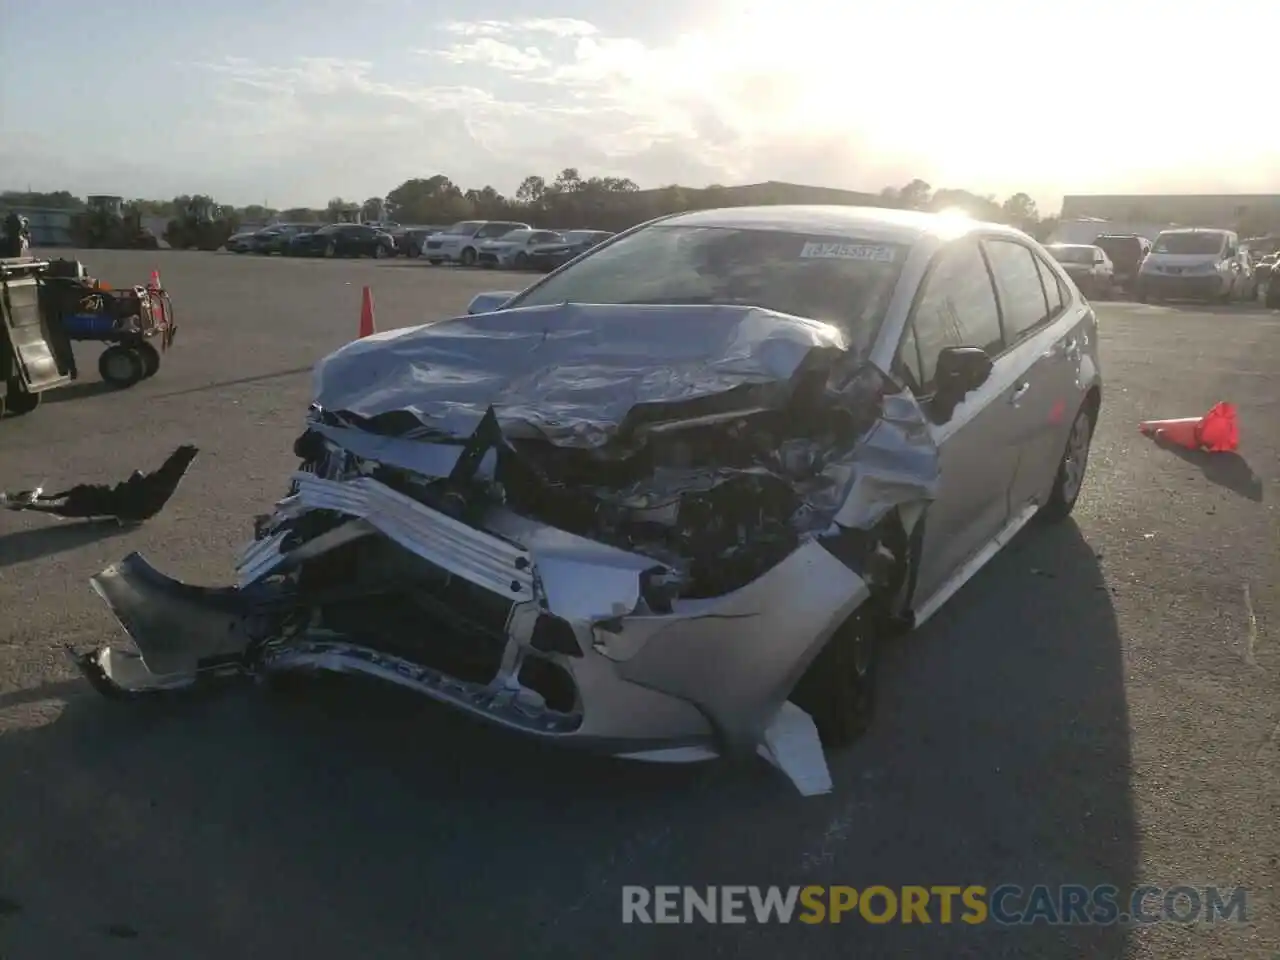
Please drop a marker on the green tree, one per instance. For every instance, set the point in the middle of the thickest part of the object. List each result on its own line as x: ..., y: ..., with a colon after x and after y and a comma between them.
x: 915, y: 195
x: 1020, y: 211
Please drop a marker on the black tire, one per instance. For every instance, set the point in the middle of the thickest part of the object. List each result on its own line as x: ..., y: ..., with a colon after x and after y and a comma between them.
x: 150, y: 357
x: 1140, y: 294
x: 379, y: 251
x: 1072, y: 468
x: 468, y: 258
x: 839, y: 689
x: 435, y: 263
x: 19, y: 401
x: 330, y: 249
x: 121, y: 367
x: 1272, y: 301
x: 522, y: 261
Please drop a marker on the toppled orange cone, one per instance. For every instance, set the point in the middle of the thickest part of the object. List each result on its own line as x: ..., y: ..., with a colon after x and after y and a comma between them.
x: 1217, y: 431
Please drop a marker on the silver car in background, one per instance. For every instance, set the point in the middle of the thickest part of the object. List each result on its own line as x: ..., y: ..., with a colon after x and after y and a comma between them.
x: 461, y: 242
x: 670, y: 501
x: 1089, y: 266
x: 514, y: 250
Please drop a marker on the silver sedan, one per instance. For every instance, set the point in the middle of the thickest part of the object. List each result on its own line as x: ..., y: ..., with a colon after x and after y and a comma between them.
x: 670, y: 501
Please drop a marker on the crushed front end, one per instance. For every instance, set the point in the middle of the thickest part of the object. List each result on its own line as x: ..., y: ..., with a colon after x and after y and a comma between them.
x: 651, y: 585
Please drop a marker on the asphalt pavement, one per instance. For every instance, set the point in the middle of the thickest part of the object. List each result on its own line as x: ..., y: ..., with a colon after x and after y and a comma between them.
x: 1101, y: 705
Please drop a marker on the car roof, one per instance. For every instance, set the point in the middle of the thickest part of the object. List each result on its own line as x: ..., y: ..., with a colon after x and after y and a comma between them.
x: 889, y: 225
x: 1194, y: 230
x: 1073, y: 246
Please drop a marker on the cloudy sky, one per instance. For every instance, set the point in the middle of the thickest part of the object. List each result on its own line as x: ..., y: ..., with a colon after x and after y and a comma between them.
x: 295, y: 101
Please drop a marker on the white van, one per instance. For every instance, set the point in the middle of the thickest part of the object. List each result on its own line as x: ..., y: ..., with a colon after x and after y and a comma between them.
x: 1193, y: 264
x: 461, y: 242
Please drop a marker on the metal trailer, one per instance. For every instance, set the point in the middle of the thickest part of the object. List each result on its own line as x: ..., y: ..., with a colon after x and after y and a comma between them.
x: 132, y: 320
x: 35, y: 352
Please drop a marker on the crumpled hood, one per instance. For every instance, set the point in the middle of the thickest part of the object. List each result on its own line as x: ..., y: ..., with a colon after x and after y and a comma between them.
x: 568, y: 372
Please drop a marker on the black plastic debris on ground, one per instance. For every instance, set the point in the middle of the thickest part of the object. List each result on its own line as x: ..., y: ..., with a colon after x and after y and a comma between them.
x: 139, y: 498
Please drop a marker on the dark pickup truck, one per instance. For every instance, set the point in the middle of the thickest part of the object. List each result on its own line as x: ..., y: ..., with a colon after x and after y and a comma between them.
x: 1126, y: 251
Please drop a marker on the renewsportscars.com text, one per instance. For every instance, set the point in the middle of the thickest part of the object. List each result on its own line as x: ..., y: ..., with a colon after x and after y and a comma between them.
x: 1008, y: 904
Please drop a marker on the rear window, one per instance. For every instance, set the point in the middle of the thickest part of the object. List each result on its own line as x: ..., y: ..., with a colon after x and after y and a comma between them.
x: 1072, y: 254
x: 1120, y: 248
x: 466, y: 226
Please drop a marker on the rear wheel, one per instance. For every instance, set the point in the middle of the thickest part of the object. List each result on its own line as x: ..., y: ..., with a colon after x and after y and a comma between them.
x: 1071, y: 468
x: 19, y: 401
x: 330, y: 249
x: 121, y: 367
x: 379, y: 252
x: 838, y: 689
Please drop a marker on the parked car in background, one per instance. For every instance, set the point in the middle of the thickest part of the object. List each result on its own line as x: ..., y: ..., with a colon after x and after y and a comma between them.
x: 299, y: 242
x: 277, y: 237
x: 1126, y: 251
x: 737, y: 452
x: 577, y: 242
x: 411, y: 240
x: 1268, y: 273
x: 461, y: 242
x: 1194, y: 264
x: 344, y: 240
x: 241, y: 242
x: 1087, y: 265
x: 515, y: 250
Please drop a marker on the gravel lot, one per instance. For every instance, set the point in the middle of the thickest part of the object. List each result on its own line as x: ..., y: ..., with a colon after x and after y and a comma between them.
x: 1100, y: 705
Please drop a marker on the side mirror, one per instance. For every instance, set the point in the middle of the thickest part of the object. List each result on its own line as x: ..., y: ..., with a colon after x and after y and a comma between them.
x: 960, y: 370
x: 489, y: 302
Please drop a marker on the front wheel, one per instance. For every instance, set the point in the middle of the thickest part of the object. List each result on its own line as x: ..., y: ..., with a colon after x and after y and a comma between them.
x: 838, y: 689
x: 379, y: 252
x: 468, y: 257
x: 1069, y: 480
x: 330, y: 249
x: 121, y: 367
x: 150, y: 358
x: 522, y: 261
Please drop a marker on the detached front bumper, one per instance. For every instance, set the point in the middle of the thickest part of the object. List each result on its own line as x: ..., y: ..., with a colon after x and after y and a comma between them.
x: 709, y: 678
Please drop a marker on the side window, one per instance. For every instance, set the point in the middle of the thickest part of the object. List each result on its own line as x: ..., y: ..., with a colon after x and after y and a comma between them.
x: 1052, y: 287
x: 957, y: 308
x: 1023, y: 305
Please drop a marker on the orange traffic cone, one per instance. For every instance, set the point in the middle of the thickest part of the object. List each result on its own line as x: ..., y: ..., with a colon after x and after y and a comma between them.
x: 154, y: 282
x: 366, y: 314
x: 1217, y: 431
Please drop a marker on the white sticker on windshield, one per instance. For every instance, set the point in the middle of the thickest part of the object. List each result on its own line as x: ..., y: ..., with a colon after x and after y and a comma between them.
x: 813, y: 250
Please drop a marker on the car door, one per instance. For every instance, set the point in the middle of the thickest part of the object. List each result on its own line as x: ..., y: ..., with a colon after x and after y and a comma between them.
x: 1042, y: 342
x: 956, y: 307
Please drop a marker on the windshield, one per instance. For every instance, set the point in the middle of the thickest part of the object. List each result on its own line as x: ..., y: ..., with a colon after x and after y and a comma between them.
x: 1072, y: 254
x: 1188, y: 243
x: 466, y: 226
x: 839, y: 280
x: 515, y: 236
x: 331, y: 228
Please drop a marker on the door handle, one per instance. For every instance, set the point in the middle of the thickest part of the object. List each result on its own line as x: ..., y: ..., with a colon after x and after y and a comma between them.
x: 1019, y: 392
x: 1071, y: 347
